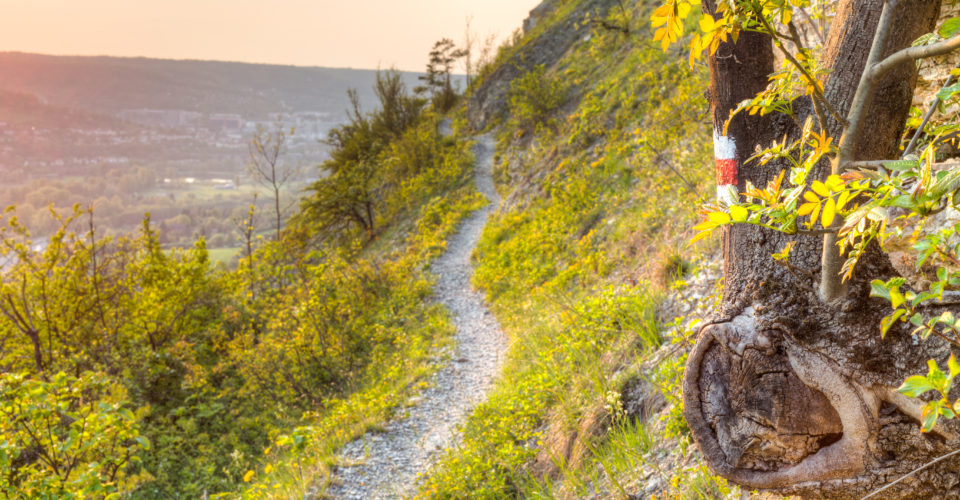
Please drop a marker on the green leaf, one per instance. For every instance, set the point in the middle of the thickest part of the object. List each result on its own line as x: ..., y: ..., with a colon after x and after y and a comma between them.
x: 947, y: 92
x: 937, y: 378
x: 738, y: 213
x: 925, y: 40
x: 896, y: 298
x: 915, y: 386
x: 948, y: 319
x: 900, y: 165
x: 916, y: 319
x: 929, y: 415
x: 888, y: 321
x: 950, y: 27
x: 879, y: 289
x: 954, y: 366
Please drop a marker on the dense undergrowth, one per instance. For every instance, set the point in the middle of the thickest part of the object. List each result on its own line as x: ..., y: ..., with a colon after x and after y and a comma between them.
x: 246, y: 382
x: 130, y: 370
x: 600, y: 188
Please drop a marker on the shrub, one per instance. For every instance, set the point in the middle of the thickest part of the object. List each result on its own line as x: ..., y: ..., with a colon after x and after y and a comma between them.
x: 67, y: 437
x: 534, y: 96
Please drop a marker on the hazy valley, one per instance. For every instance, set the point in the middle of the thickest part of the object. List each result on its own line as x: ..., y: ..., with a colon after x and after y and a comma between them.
x: 169, y: 138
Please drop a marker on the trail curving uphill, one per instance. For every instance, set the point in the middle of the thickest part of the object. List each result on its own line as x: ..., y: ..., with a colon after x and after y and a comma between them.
x: 388, y: 462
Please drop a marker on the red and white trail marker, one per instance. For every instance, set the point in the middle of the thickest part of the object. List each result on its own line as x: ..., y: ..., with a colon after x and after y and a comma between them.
x: 725, y: 155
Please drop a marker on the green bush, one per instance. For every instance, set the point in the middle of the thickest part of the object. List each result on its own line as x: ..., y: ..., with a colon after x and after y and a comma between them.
x: 67, y: 437
x: 534, y: 96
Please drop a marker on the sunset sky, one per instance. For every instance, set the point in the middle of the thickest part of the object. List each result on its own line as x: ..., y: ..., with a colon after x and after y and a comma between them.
x: 338, y: 33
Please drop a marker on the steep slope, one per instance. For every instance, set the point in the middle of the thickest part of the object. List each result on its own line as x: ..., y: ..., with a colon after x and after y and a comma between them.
x: 604, y: 154
x: 386, y: 464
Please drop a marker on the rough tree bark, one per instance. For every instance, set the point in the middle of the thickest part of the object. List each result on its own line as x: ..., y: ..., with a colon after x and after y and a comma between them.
x: 782, y: 391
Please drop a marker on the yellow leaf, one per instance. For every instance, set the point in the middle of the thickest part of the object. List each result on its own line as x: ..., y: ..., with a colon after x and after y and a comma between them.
x: 268, y: 469
x: 248, y: 476
x: 812, y: 198
x: 806, y: 208
x: 719, y: 217
x: 705, y: 226
x: 699, y: 236
x: 829, y: 211
x: 842, y: 201
x: 820, y: 188
x: 683, y: 10
x: 706, y: 23
x: 677, y: 29
x: 814, y: 216
x: 835, y: 183
x: 738, y: 213
x: 695, y: 50
x: 786, y: 16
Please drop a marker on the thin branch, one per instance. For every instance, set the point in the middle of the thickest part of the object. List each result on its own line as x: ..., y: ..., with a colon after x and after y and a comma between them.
x: 826, y: 230
x: 659, y: 159
x: 873, y: 164
x: 831, y: 284
x: 926, y: 118
x: 794, y: 270
x: 816, y: 30
x: 817, y: 93
x: 924, y: 466
x: 910, y: 54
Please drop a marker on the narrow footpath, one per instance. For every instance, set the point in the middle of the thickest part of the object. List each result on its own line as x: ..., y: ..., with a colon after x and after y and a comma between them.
x: 387, y: 463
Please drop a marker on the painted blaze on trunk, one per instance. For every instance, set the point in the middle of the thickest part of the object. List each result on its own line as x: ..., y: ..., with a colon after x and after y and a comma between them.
x: 783, y: 391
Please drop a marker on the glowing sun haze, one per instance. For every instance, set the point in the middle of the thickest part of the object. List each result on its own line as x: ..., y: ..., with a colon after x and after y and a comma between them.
x: 336, y: 33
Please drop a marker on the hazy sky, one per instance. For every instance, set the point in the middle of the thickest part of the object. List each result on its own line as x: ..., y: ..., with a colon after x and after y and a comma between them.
x: 339, y: 33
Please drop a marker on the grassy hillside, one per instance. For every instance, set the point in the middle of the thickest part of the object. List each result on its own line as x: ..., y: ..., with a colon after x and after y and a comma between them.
x: 604, y: 157
x: 245, y: 383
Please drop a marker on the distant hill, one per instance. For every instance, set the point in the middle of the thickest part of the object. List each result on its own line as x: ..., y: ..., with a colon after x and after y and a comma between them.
x: 22, y: 108
x: 109, y: 85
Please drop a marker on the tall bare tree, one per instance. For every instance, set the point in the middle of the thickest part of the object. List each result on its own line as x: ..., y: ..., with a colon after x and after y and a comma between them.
x: 266, y: 165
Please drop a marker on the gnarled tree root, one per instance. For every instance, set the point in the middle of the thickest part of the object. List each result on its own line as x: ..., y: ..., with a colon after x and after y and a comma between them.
x: 768, y: 414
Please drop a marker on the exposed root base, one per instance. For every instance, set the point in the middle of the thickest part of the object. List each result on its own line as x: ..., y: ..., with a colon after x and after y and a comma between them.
x: 771, y: 415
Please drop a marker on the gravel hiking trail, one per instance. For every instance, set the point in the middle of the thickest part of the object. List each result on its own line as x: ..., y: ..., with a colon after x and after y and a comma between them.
x: 385, y: 465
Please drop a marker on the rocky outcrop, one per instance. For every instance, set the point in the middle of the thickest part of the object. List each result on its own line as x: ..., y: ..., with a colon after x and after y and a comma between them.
x: 489, y: 100
x: 538, y: 14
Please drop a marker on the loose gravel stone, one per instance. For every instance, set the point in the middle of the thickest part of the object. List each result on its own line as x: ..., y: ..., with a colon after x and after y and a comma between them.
x: 387, y: 463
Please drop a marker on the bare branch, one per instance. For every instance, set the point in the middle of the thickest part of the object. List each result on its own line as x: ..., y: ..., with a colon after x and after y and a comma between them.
x: 910, y: 54
x: 918, y: 469
x: 928, y: 116
x: 873, y: 164
x: 831, y: 284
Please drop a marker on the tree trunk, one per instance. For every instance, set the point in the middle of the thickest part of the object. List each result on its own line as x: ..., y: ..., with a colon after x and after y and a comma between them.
x: 782, y: 391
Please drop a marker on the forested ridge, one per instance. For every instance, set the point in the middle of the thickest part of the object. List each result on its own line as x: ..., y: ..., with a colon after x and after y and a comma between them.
x: 666, y: 338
